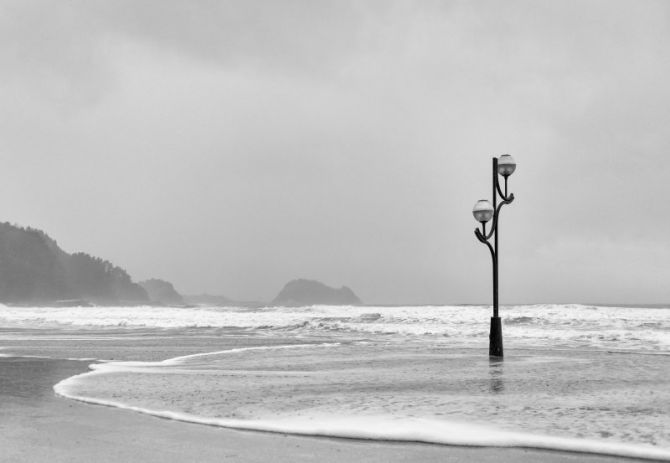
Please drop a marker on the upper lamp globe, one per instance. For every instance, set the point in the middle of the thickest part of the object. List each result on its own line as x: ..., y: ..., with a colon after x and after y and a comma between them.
x: 483, y: 211
x: 506, y: 165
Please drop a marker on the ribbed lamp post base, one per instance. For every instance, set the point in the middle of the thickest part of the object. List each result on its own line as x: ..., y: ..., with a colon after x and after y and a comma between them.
x: 495, y: 338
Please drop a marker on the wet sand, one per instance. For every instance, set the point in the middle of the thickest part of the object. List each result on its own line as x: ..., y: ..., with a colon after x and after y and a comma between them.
x: 38, y: 426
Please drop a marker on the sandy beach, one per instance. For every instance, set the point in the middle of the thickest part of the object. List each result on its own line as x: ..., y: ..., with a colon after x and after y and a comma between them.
x: 38, y: 426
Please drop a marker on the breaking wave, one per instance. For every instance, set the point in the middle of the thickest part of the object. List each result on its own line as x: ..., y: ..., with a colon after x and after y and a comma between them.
x: 552, y: 325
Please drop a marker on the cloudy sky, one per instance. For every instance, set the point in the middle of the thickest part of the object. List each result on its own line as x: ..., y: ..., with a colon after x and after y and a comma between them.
x: 230, y: 146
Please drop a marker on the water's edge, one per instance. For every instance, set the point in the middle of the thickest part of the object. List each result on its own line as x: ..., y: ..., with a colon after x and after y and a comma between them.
x: 377, y: 428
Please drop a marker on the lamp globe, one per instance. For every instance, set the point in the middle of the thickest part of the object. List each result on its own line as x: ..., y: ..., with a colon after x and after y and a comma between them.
x: 506, y: 165
x: 483, y: 211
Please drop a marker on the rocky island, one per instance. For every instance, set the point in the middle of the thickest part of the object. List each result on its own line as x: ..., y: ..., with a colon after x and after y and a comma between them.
x: 310, y: 292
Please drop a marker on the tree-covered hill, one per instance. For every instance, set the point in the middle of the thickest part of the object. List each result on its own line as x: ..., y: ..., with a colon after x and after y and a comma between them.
x: 34, y: 269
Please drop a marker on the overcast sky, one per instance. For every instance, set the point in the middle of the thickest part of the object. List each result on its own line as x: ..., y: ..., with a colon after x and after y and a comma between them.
x: 230, y: 146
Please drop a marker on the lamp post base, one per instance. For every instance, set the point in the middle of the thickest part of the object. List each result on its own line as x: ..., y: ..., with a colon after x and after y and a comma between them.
x: 495, y: 338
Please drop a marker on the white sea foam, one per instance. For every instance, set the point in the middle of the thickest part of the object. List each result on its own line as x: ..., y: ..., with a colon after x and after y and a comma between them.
x: 566, y: 328
x: 553, y: 325
x: 375, y: 427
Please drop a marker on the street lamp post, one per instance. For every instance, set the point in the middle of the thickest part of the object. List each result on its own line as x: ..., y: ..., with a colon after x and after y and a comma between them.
x: 483, y: 212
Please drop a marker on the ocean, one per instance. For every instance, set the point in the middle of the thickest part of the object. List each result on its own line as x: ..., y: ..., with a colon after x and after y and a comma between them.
x: 575, y: 377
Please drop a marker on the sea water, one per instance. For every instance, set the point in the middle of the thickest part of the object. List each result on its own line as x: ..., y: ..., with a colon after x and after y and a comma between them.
x: 575, y: 377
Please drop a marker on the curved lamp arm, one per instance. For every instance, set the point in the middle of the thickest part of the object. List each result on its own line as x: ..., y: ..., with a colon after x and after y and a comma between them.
x: 500, y: 192
x: 484, y: 240
x: 497, y: 212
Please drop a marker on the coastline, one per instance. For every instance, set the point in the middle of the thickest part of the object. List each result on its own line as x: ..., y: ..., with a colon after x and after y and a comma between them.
x: 39, y: 426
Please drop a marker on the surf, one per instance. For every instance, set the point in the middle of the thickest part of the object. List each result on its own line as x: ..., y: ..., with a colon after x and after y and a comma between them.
x: 312, y: 422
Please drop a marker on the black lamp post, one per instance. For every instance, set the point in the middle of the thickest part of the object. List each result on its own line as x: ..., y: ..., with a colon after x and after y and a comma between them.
x: 483, y: 212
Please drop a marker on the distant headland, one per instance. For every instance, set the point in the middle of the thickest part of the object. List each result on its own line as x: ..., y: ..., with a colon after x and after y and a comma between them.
x: 162, y: 292
x: 34, y: 270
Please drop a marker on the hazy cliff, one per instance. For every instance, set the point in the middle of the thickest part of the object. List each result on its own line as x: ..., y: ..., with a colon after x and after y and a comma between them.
x: 308, y: 292
x: 34, y: 269
x: 162, y: 292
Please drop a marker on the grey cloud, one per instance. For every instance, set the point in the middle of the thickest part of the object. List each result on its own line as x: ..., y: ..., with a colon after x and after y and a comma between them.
x: 232, y: 146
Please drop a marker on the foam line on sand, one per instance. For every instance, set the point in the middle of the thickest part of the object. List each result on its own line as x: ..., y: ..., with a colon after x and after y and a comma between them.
x: 378, y: 428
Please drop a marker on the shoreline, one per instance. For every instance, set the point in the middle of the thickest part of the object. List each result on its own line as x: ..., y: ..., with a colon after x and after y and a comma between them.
x: 39, y: 426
